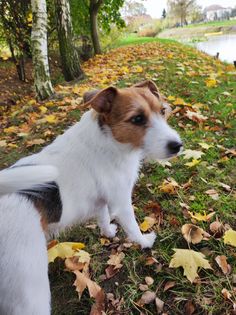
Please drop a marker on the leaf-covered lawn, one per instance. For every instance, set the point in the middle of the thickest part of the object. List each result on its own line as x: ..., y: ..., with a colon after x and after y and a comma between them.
x: 196, y: 188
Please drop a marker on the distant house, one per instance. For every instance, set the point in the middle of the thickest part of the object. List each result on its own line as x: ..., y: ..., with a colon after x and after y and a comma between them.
x: 217, y: 12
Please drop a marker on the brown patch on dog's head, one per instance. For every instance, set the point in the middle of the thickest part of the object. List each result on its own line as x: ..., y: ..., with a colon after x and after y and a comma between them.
x: 128, y: 111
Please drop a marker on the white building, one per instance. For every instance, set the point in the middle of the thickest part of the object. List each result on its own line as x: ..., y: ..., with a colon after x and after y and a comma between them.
x: 217, y: 12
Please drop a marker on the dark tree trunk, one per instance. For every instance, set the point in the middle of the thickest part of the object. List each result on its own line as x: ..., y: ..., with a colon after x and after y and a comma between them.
x: 18, y: 61
x: 69, y: 55
x: 93, y: 10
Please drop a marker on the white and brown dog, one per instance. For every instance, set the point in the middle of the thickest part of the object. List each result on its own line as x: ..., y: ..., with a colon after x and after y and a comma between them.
x: 97, y: 160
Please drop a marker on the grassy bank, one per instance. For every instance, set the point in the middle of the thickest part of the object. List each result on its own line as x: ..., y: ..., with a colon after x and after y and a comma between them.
x: 198, y: 31
x: 203, y: 95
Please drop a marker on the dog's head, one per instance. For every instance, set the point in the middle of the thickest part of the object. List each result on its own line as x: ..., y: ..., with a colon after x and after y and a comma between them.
x: 137, y: 115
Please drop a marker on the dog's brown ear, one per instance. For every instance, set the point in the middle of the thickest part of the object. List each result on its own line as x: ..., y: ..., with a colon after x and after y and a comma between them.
x: 102, y: 101
x: 151, y: 85
x: 89, y: 95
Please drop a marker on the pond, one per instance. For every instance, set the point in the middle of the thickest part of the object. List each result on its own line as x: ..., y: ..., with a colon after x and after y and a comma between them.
x: 225, y: 45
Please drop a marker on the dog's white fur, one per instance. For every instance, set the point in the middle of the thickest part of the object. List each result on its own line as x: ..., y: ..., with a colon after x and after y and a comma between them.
x: 96, y: 177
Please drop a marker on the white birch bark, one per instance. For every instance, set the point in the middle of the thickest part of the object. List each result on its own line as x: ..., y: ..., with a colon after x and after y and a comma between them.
x: 42, y: 82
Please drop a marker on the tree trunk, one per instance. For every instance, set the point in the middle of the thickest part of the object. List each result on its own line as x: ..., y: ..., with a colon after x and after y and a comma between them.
x: 93, y: 10
x: 42, y: 81
x: 69, y: 55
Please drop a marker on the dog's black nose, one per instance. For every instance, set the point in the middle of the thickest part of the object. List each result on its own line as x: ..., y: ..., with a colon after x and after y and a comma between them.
x: 174, y: 146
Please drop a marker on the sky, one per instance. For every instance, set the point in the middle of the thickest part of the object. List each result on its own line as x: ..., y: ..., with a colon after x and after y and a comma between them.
x: 155, y: 7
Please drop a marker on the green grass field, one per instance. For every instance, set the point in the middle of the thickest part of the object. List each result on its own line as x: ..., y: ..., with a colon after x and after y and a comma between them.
x: 180, y: 72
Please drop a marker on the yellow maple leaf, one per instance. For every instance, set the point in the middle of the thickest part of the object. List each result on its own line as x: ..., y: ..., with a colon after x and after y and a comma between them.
x: 190, y: 260
x: 171, y: 98
x: 201, y: 217
x: 210, y: 82
x: 179, y: 101
x: 52, y: 119
x: 147, y: 224
x: 43, y: 109
x: 84, y: 256
x: 230, y: 237
x: 169, y: 186
x: 193, y: 163
x: 205, y: 145
x: 12, y: 129
x: 64, y: 250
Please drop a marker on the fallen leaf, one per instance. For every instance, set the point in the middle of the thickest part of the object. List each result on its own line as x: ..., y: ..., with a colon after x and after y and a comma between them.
x: 193, y: 163
x: 217, y: 229
x: 195, y: 116
x: 169, y: 285
x: 205, y: 145
x: 3, y: 143
x: 222, y: 263
x: 72, y: 263
x: 169, y: 186
x: 189, y: 154
x: 213, y: 194
x: 159, y: 305
x: 189, y: 308
x: 201, y: 217
x: 226, y: 187
x: 149, y: 280
x: 63, y: 250
x: 52, y: 119
x: 143, y: 287
x: 192, y: 233
x: 83, y: 256
x: 116, y: 259
x: 210, y: 82
x: 146, y: 298
x: 230, y: 237
x: 190, y: 260
x: 147, y: 223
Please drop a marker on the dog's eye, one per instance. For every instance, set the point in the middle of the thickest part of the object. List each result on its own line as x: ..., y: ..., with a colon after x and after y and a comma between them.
x: 138, y: 120
x: 163, y: 111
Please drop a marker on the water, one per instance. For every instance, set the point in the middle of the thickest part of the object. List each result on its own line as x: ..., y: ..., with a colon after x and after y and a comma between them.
x: 224, y: 44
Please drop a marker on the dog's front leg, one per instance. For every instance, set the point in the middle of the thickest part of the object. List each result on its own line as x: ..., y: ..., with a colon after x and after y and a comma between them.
x: 107, y: 228
x: 125, y: 216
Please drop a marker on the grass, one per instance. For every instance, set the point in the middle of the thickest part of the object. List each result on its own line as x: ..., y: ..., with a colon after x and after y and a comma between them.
x: 181, y: 72
x: 213, y: 23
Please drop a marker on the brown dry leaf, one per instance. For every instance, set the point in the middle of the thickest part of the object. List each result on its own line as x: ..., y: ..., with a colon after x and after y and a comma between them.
x: 98, y: 308
x: 189, y: 308
x: 169, y: 186
x: 82, y: 281
x: 213, y: 194
x: 159, y: 305
x: 143, y: 287
x: 115, y: 260
x: 169, y: 285
x: 226, y: 187
x: 111, y: 271
x: 217, y: 229
x: 190, y: 260
x: 149, y: 280
x: 222, y: 263
x: 150, y: 261
x: 30, y: 143
x: 192, y: 233
x: 146, y: 298
x: 195, y: 116
x: 227, y: 295
x: 73, y: 263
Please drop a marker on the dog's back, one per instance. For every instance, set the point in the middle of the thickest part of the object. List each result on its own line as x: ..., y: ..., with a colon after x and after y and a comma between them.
x: 24, y: 286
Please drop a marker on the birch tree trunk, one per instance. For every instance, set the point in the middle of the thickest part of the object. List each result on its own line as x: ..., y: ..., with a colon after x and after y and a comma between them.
x: 69, y: 55
x: 42, y: 81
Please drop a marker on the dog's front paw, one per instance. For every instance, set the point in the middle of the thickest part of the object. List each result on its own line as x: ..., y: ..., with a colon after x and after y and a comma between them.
x: 148, y: 240
x: 110, y: 231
